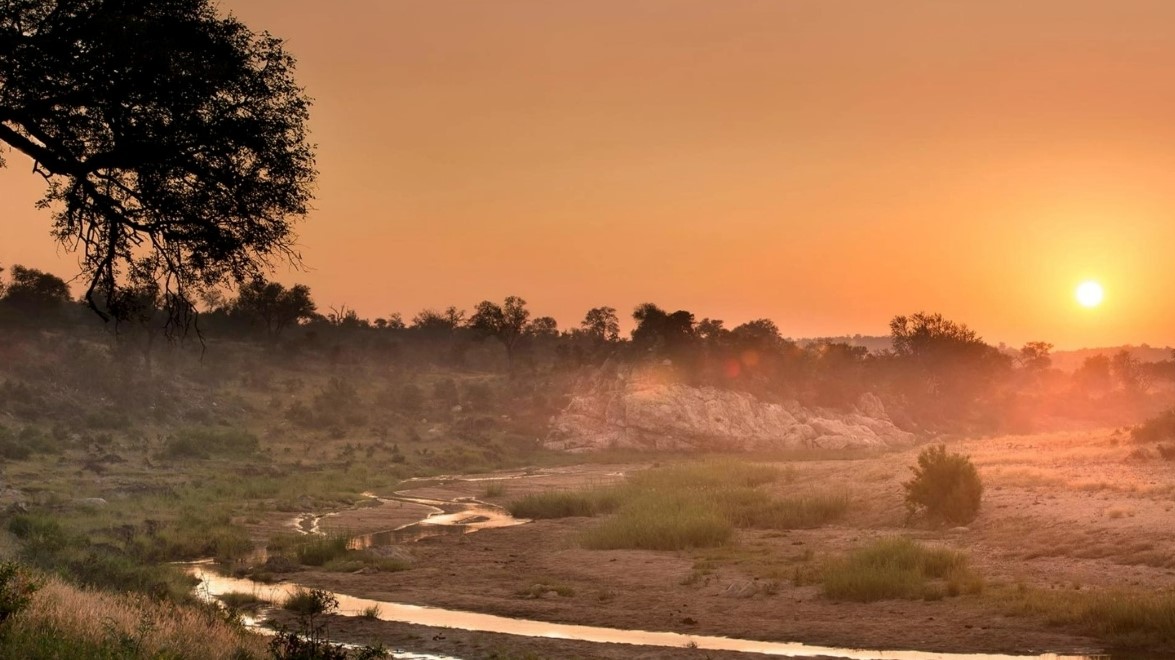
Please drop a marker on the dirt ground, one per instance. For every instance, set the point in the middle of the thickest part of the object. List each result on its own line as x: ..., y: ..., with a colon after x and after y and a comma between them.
x: 1072, y: 511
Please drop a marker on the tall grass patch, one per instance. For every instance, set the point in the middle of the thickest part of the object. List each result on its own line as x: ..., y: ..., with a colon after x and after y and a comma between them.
x: 310, y: 549
x: 748, y: 507
x: 899, y: 568
x: 566, y: 504
x: 1127, y: 618
x: 699, y: 505
x: 713, y: 474
x: 661, y: 521
x: 64, y: 621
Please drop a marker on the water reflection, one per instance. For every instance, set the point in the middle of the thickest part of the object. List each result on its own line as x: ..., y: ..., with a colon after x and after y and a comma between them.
x: 449, y: 518
x: 212, y: 585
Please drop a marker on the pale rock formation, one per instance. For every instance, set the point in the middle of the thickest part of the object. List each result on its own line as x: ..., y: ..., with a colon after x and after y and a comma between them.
x: 626, y: 410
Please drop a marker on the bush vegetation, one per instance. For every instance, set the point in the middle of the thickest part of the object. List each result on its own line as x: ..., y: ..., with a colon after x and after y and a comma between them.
x: 945, y: 487
x: 206, y: 443
x: 1160, y: 428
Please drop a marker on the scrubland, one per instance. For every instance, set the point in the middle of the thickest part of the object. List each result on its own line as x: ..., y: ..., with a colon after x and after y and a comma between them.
x: 270, y: 467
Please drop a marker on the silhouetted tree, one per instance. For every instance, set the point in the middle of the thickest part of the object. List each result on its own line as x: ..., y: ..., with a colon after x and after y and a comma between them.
x: 435, y: 324
x: 35, y: 294
x: 929, y: 336
x: 657, y: 329
x: 601, y: 323
x: 949, y: 366
x: 137, y: 307
x: 711, y: 331
x: 1094, y: 374
x: 345, y: 317
x: 1035, y: 355
x: 544, y: 327
x: 159, y: 127
x: 758, y: 335
x: 838, y: 378
x: 274, y: 306
x: 506, y: 323
x: 1128, y: 371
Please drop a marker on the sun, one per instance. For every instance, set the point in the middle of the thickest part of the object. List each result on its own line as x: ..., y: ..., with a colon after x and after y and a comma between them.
x: 1090, y: 294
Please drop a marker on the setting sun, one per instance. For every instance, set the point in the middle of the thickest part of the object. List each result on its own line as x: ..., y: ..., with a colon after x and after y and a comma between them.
x: 1090, y: 294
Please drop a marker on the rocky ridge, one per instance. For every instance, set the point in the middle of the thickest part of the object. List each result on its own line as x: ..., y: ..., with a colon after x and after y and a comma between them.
x: 637, y: 410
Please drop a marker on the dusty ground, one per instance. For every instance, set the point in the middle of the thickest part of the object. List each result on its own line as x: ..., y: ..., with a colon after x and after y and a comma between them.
x: 1067, y: 511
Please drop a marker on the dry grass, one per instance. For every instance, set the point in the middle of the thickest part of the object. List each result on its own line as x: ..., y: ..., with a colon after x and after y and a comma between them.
x: 64, y: 620
x: 1128, y: 618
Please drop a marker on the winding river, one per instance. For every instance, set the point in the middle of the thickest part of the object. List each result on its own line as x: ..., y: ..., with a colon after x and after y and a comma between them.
x: 464, y: 515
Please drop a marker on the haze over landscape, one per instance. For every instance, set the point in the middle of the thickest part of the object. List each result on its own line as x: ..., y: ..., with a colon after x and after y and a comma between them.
x: 610, y: 330
x: 821, y: 164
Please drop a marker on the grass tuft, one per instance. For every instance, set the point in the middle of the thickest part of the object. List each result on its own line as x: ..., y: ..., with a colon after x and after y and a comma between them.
x: 899, y: 568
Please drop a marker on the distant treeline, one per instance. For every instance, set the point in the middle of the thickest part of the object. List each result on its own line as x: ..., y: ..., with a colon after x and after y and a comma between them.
x: 936, y: 374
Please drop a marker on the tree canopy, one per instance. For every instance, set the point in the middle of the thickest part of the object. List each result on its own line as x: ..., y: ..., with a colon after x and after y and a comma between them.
x: 172, y: 140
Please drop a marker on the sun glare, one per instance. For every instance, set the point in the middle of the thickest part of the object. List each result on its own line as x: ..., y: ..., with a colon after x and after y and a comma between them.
x: 1090, y: 294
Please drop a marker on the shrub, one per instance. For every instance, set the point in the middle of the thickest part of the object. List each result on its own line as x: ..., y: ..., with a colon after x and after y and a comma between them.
x: 239, y: 600
x: 945, y: 487
x: 411, y: 398
x: 205, y: 443
x: 311, y: 641
x: 11, y: 446
x: 1156, y: 429
x: 107, y: 419
x: 21, y: 445
x: 16, y: 590
x: 444, y: 392
x: 311, y: 602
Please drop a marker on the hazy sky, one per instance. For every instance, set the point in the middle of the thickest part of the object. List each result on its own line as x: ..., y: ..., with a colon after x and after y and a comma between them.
x: 826, y: 164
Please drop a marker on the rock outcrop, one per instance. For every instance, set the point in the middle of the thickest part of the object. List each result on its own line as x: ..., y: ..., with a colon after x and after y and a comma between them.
x: 635, y: 410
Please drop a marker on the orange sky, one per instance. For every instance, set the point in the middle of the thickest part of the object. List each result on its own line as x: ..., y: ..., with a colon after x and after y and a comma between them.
x: 823, y: 163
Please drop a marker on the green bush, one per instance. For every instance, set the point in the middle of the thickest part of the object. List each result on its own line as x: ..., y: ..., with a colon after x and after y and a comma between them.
x: 16, y: 590
x: 205, y: 443
x: 11, y: 446
x: 29, y: 440
x: 311, y: 602
x: 946, y: 487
